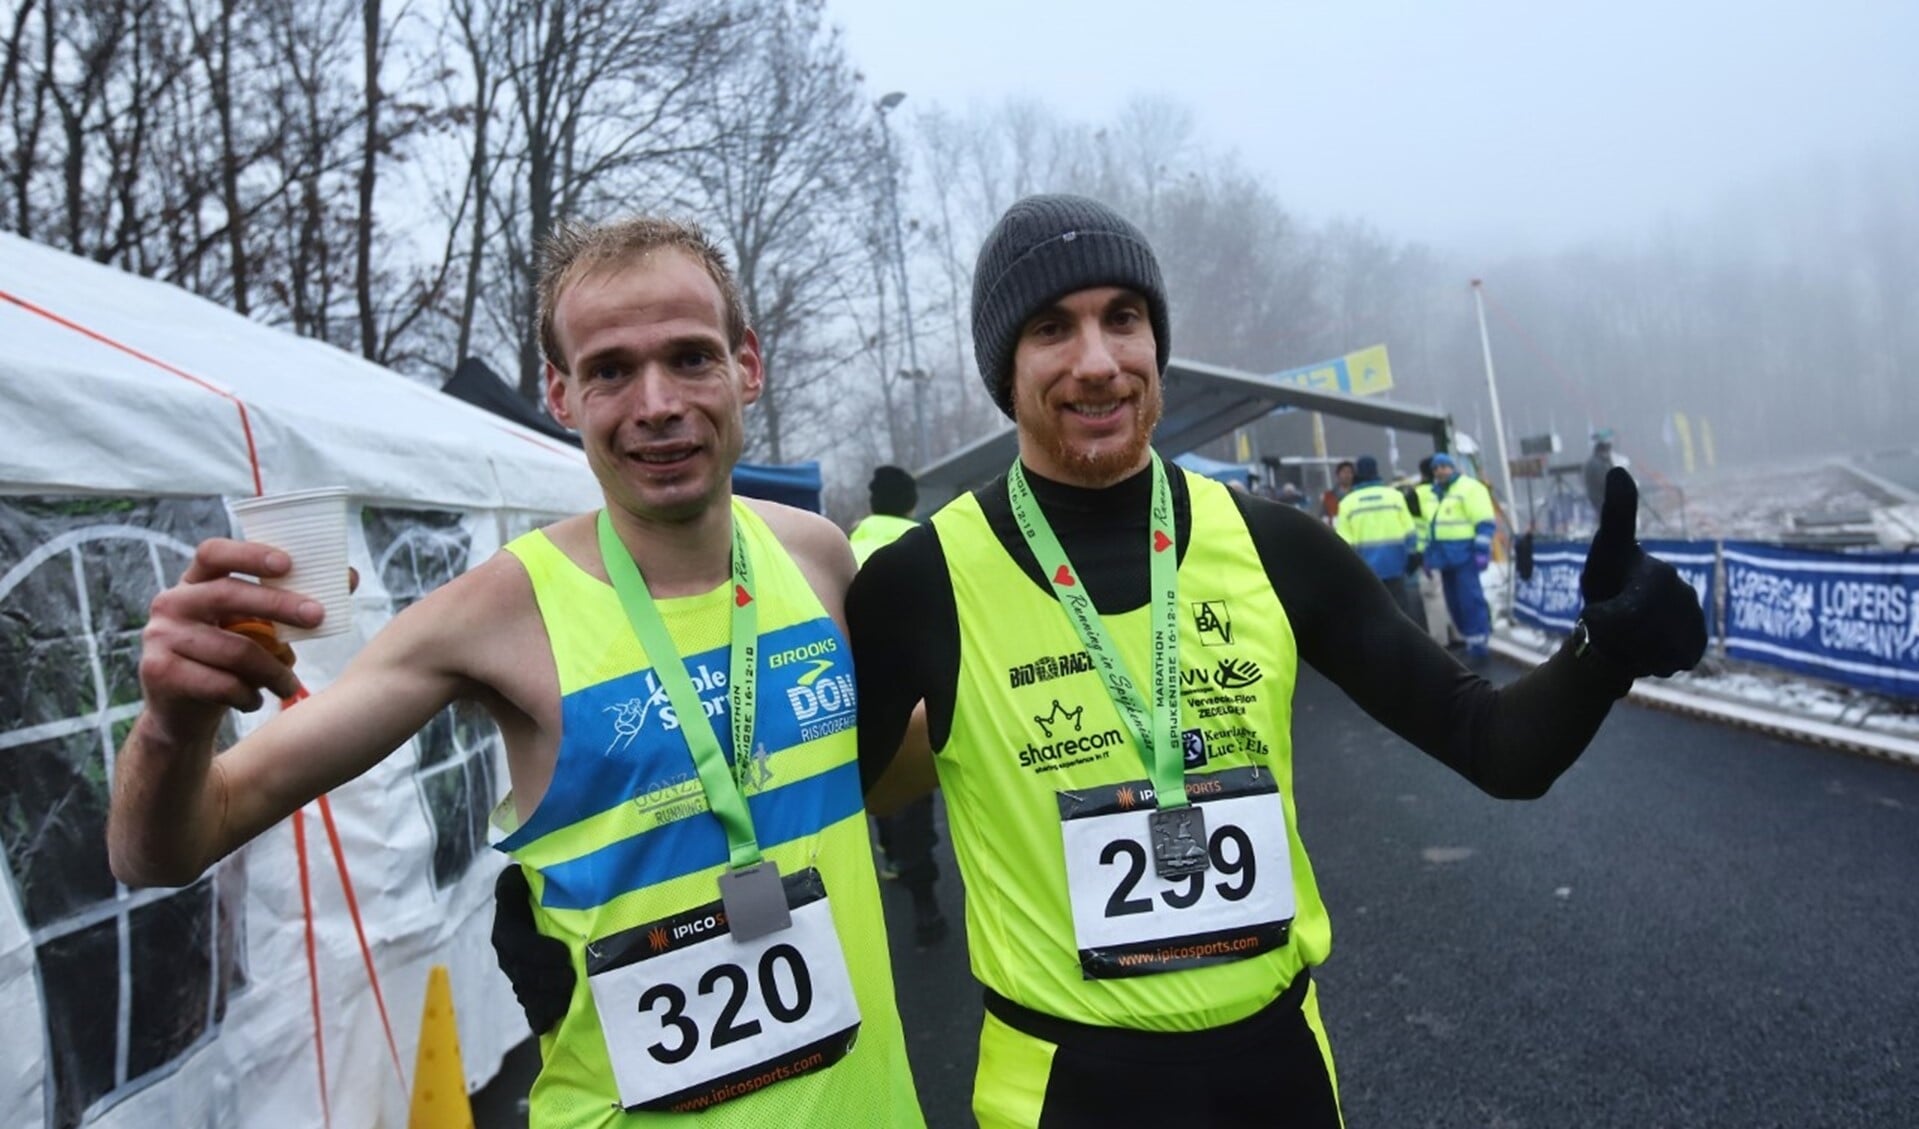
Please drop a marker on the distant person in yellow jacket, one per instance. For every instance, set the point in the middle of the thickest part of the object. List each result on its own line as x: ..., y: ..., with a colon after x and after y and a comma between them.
x: 1459, y: 547
x: 906, y: 837
x: 1375, y: 520
x: 893, y: 496
x: 1424, y: 503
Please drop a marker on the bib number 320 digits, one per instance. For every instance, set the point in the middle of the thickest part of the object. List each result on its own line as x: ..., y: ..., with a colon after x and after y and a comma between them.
x: 1128, y: 921
x: 693, y: 1018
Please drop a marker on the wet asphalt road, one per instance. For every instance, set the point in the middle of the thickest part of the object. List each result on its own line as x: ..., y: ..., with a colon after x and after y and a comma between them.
x: 1698, y: 927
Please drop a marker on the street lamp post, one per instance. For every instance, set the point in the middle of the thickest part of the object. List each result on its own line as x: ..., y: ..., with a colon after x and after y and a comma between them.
x: 912, y: 371
x: 1492, y: 393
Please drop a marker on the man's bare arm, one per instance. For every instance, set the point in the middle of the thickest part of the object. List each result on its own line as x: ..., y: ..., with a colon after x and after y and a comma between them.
x: 177, y: 809
x: 911, y: 774
x: 818, y: 547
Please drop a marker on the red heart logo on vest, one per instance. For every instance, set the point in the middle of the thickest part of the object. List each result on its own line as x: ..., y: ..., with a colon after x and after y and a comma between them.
x: 1063, y: 578
x: 1160, y: 541
x: 740, y: 596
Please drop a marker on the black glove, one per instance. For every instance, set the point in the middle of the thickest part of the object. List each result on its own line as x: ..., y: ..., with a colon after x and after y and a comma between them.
x: 1639, y: 614
x: 539, y: 967
x: 1414, y: 561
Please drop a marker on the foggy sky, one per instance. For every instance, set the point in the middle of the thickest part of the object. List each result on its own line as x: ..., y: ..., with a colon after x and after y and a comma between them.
x: 1483, y: 128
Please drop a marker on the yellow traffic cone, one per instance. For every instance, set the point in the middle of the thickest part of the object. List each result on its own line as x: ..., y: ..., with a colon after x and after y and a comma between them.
x: 439, y: 1080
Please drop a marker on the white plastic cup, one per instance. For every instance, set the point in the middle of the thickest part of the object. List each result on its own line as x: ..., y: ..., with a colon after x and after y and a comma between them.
x: 310, y: 527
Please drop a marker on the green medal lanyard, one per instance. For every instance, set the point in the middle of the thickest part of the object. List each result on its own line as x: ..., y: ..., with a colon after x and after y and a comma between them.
x: 722, y: 789
x: 1155, y: 731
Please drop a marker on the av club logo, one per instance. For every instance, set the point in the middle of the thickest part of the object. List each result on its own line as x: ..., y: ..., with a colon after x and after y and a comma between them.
x: 1214, y: 621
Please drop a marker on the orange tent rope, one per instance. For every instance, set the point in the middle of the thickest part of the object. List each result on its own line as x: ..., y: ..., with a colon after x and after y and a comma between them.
x: 246, y: 424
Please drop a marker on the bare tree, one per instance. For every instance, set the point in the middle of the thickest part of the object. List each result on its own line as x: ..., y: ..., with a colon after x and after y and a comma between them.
x: 23, y: 99
x: 105, y: 68
x: 480, y: 43
x: 313, y: 106
x: 942, y: 146
x: 787, y: 152
x: 597, y: 92
x: 372, y: 42
x: 213, y: 47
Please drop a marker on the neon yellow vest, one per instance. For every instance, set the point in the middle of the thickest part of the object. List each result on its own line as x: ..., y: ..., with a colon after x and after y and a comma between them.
x: 1374, y: 515
x: 1428, y: 509
x: 1459, y: 514
x: 876, y: 531
x: 1020, y: 661
x: 622, y: 836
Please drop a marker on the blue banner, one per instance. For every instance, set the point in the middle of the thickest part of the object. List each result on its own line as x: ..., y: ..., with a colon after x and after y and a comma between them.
x: 1550, y: 599
x: 1694, y: 561
x: 1851, y: 618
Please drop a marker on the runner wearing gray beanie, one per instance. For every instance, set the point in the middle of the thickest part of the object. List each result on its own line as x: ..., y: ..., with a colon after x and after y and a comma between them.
x: 1042, y: 249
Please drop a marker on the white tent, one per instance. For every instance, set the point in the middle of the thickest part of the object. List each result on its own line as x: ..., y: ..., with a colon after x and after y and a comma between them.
x: 130, y: 412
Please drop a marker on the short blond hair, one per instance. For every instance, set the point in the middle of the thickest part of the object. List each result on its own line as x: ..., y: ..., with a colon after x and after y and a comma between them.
x: 576, y: 250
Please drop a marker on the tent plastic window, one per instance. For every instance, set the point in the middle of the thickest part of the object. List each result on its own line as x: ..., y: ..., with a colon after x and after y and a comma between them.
x: 416, y: 551
x: 131, y: 980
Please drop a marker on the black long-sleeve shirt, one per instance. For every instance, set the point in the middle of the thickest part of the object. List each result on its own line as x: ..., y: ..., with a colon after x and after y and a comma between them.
x: 1511, y: 742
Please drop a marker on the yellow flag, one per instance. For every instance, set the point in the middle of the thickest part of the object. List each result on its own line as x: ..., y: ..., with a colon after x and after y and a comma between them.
x: 1685, y: 438
x: 1368, y: 371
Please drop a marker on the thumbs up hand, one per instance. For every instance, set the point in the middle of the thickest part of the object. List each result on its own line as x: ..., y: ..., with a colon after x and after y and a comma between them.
x: 1639, y: 614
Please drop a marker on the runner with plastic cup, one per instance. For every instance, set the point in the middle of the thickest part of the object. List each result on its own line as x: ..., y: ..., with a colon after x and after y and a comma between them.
x: 310, y: 527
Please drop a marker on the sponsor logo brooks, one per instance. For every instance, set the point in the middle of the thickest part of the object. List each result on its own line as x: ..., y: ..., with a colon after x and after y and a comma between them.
x: 807, y: 651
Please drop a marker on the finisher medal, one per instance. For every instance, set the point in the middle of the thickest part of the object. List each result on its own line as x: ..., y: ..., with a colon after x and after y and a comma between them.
x: 1179, y: 842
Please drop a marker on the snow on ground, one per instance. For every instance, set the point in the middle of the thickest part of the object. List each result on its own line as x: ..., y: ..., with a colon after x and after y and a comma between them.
x: 1759, y: 503
x: 1793, y: 695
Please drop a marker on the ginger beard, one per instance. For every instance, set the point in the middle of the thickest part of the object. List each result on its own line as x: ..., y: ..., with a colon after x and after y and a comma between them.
x: 1100, y: 462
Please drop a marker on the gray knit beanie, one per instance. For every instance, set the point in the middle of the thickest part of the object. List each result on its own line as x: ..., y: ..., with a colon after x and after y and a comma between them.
x: 1042, y: 249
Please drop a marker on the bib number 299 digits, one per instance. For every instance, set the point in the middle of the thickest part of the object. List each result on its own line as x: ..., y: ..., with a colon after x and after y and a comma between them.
x: 1229, y: 849
x: 1129, y: 921
x: 692, y: 1017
